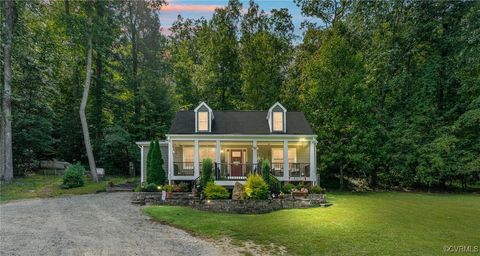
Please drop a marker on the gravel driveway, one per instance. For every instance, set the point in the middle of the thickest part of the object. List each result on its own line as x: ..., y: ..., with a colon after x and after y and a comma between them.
x: 100, y: 224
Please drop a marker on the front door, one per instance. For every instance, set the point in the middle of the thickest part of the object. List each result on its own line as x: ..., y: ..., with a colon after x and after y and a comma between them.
x: 236, y: 161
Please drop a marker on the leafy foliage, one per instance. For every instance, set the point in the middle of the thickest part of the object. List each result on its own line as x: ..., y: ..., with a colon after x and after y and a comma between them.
x: 207, y: 173
x: 213, y: 191
x: 255, y: 187
x: 316, y: 190
x: 287, y: 188
x: 74, y: 176
x: 266, y: 171
x: 390, y: 88
x: 151, y: 187
x: 155, y: 171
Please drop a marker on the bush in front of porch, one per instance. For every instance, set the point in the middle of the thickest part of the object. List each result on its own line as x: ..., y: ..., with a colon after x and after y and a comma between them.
x: 207, y: 176
x: 213, y: 191
x: 255, y: 187
x: 155, y: 171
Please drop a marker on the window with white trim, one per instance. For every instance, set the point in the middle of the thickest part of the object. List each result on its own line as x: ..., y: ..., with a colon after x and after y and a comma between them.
x: 203, y: 152
x: 188, y: 157
x: 206, y: 152
x: 278, y: 121
x: 277, y: 155
x: 203, y: 121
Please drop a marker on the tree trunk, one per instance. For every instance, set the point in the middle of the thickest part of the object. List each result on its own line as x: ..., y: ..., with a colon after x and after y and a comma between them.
x: 2, y: 143
x: 341, y: 177
x: 134, y: 82
x: 7, y: 160
x: 83, y: 119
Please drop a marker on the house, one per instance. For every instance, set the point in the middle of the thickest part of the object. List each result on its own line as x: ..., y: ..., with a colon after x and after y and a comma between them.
x: 237, y: 142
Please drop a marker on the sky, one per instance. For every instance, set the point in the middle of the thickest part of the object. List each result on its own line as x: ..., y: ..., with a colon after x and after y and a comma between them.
x: 196, y: 8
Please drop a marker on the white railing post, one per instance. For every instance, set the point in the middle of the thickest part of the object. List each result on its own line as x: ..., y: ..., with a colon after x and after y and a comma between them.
x: 142, y: 166
x: 196, y: 163
x: 254, y: 157
x: 217, y: 152
x: 313, y: 162
x: 170, y: 160
x: 286, y: 172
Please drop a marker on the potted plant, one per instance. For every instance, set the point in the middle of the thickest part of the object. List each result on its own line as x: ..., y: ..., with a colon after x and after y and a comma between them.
x: 300, y: 193
x: 168, y: 189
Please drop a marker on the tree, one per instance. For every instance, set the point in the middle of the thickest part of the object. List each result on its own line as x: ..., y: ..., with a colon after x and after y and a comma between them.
x: 151, y: 148
x: 6, y: 122
x: 156, y: 173
x: 83, y: 119
x: 266, y: 47
x: 162, y: 179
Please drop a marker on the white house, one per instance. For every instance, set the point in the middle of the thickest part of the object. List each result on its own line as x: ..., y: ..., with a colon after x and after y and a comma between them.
x: 237, y: 142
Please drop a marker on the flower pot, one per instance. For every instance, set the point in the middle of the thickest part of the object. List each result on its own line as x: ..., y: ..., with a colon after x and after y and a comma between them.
x: 299, y: 194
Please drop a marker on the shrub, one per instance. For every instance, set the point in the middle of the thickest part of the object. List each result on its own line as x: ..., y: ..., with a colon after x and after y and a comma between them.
x: 274, y: 184
x: 317, y: 190
x: 155, y: 171
x: 255, y: 187
x: 168, y: 188
x: 151, y: 148
x: 266, y: 171
x: 138, y: 188
x: 287, y: 188
x: 206, y: 173
x: 184, y: 187
x: 213, y: 191
x: 73, y: 176
x: 151, y: 187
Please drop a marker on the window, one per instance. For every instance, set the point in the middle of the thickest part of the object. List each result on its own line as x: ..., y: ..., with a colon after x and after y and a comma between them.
x: 277, y: 121
x: 203, y: 152
x: 277, y: 155
x: 188, y: 157
x: 203, y: 121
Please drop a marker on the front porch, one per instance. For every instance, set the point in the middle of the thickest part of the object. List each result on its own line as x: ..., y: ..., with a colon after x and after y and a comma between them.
x: 234, y: 160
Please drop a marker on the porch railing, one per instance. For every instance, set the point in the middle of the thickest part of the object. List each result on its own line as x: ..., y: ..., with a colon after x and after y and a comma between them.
x: 277, y: 169
x: 299, y: 169
x: 234, y: 171
x: 183, y: 168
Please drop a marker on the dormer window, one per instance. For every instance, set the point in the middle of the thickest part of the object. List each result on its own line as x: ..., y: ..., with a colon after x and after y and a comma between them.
x: 276, y: 117
x: 203, y: 121
x: 203, y: 118
x: 278, y: 121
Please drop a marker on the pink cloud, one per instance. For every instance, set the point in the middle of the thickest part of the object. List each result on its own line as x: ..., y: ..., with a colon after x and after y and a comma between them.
x: 189, y: 7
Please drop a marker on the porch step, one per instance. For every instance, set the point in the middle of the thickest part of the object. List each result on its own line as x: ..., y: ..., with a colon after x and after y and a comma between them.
x: 228, y: 183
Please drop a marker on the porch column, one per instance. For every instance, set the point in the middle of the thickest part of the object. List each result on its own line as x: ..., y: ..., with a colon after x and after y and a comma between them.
x: 142, y: 167
x: 285, y: 160
x: 254, y: 157
x: 217, y: 152
x: 170, y: 160
x: 196, y: 164
x: 313, y: 162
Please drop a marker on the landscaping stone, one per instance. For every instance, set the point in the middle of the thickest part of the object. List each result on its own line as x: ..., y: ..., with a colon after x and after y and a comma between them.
x: 237, y: 193
x: 229, y: 206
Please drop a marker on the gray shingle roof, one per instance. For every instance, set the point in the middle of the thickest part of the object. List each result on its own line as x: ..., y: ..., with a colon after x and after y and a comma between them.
x: 239, y: 122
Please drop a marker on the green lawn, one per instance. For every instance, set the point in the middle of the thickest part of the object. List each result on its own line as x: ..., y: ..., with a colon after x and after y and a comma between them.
x: 40, y: 186
x: 390, y: 223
